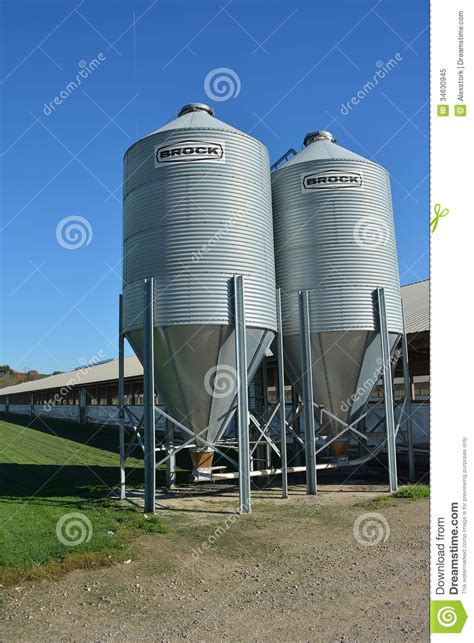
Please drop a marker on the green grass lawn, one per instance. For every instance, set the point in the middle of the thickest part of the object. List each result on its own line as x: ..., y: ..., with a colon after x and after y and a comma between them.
x: 405, y: 492
x: 49, y: 470
x: 413, y: 491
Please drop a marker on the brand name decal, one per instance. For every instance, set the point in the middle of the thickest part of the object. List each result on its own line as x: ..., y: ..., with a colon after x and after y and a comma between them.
x: 186, y: 151
x: 331, y: 179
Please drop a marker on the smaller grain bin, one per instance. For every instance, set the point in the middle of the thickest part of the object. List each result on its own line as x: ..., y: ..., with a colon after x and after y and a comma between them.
x: 334, y: 236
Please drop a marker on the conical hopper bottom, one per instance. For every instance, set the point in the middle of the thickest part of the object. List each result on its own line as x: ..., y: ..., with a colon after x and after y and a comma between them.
x: 346, y: 366
x: 195, y: 373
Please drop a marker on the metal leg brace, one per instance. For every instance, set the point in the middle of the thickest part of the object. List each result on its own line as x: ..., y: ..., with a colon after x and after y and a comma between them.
x: 242, y: 395
x: 308, y: 402
x: 408, y: 422
x: 149, y: 399
x: 281, y: 397
x: 387, y: 390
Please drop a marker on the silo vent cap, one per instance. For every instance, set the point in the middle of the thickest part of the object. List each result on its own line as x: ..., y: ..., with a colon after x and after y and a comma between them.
x: 196, y: 107
x: 320, y: 135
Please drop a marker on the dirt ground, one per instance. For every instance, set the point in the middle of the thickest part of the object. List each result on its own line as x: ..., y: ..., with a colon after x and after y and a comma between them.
x: 291, y: 570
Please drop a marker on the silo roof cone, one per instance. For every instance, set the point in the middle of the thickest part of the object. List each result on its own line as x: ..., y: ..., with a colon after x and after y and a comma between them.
x: 321, y: 146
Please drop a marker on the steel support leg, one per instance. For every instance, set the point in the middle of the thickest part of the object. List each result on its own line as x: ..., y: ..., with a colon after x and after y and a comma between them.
x: 121, y: 399
x: 409, y: 425
x: 149, y: 399
x: 171, y: 462
x: 281, y: 397
x: 387, y: 390
x: 308, y: 402
x: 242, y: 395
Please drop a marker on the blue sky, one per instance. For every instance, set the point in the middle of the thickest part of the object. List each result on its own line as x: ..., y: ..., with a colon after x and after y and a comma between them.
x: 297, y: 63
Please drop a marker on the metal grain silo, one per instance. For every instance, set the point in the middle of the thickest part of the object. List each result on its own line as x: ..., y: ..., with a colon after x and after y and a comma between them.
x: 334, y: 237
x: 197, y: 210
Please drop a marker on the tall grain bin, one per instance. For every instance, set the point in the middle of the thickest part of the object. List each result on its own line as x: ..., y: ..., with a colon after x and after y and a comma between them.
x: 334, y: 236
x: 197, y: 211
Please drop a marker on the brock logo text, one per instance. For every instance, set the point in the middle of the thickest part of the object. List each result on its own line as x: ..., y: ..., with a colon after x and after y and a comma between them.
x: 186, y: 151
x: 331, y: 179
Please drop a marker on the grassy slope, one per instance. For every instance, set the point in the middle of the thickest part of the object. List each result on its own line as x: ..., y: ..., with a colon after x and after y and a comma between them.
x: 48, y: 470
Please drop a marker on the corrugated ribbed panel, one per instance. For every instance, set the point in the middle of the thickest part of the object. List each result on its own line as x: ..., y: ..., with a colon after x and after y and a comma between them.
x: 193, y: 224
x: 416, y: 302
x: 337, y: 242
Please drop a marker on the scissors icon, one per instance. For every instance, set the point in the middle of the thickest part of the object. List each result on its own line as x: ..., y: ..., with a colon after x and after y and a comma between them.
x: 438, y: 215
